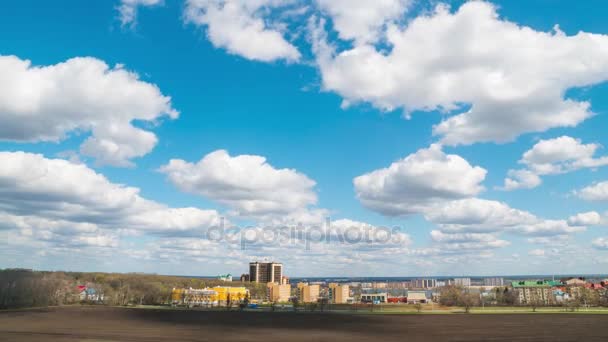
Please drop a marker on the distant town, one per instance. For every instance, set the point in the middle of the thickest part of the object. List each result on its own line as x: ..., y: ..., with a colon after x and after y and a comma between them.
x: 265, y: 286
x: 573, y: 292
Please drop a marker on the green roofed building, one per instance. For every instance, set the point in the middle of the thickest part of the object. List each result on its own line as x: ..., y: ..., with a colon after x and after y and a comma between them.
x: 536, y: 283
x: 538, y: 292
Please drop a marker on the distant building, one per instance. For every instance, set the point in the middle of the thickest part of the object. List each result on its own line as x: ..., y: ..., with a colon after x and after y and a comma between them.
x: 424, y: 283
x: 225, y: 277
x: 284, y: 280
x: 218, y: 295
x: 575, y: 282
x: 379, y: 285
x: 398, y: 285
x: 416, y: 297
x: 278, y: 293
x: 379, y: 297
x: 265, y: 272
x: 308, y: 293
x: 82, y: 292
x: 494, y: 282
x: 338, y: 293
x: 466, y: 282
x: 535, y: 292
x: 244, y: 278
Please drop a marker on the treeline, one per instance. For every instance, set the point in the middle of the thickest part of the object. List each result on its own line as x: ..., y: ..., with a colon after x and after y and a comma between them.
x: 27, y: 288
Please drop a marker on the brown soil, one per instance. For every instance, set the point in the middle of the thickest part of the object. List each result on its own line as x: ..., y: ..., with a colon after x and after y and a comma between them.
x: 119, y: 324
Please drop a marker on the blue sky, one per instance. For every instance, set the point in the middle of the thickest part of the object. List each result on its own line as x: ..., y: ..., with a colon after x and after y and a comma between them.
x: 278, y: 91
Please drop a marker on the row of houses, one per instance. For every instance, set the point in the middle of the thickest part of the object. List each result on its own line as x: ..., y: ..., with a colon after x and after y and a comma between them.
x: 550, y: 292
x: 309, y: 293
x: 432, y: 283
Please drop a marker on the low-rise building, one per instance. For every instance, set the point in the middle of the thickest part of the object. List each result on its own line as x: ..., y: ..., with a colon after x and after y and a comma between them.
x: 278, y: 293
x: 219, y: 295
x: 535, y: 292
x: 465, y: 282
x: 225, y: 277
x: 308, y: 293
x: 494, y: 281
x: 339, y: 293
x: 376, y: 298
x: 575, y: 282
x: 417, y: 297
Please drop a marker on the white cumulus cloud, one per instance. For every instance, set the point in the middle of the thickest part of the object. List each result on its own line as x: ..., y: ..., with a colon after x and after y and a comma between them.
x: 46, y: 103
x: 467, y: 241
x: 590, y: 218
x: 127, y: 10
x: 474, y: 215
x: 62, y: 198
x: 501, y: 79
x: 414, y: 183
x: 553, y: 156
x: 600, y: 243
x: 537, y: 252
x: 247, y: 184
x: 240, y: 27
x: 594, y: 192
x: 362, y: 20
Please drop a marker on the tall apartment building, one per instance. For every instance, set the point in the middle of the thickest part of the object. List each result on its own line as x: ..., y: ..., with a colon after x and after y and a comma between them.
x: 465, y: 282
x: 265, y: 272
x: 338, y: 293
x: 308, y: 293
x: 278, y: 292
x: 424, y: 283
x: 496, y: 281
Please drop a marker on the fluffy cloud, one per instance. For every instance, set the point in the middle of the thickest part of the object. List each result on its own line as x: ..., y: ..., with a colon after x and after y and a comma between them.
x: 595, y: 192
x: 474, y: 215
x: 591, y: 218
x: 245, y: 183
x: 477, y: 215
x: 239, y: 27
x: 456, y: 62
x: 537, y: 252
x: 82, y: 94
x: 127, y: 9
x: 414, y: 183
x: 362, y: 20
x: 552, y: 241
x: 60, y: 197
x: 467, y: 241
x: 600, y: 243
x: 521, y: 179
x: 553, y: 156
x: 58, y: 232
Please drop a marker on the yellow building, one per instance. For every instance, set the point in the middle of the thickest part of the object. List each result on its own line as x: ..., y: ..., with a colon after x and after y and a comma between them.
x: 308, y: 293
x: 208, y: 296
x: 194, y: 297
x: 236, y: 293
x: 339, y: 294
x: 278, y: 293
